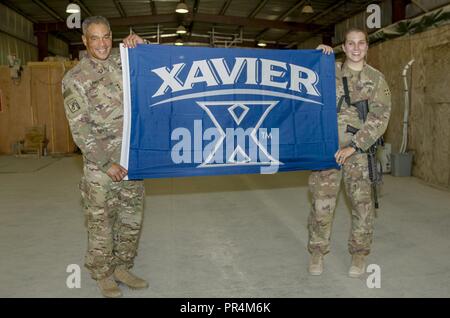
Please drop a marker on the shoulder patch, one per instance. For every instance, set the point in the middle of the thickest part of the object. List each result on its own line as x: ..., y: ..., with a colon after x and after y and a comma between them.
x: 73, y: 105
x: 374, y: 71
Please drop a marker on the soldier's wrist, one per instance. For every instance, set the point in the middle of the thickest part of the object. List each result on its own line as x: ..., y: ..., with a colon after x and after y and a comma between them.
x: 353, y: 145
x: 105, y: 168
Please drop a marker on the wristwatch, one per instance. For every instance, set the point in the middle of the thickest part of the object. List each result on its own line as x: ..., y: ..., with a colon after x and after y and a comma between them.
x: 353, y: 145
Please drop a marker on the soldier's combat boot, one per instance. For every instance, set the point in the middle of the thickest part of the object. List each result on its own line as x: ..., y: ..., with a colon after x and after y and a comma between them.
x: 109, y: 288
x: 316, y: 264
x: 358, y: 266
x: 124, y: 276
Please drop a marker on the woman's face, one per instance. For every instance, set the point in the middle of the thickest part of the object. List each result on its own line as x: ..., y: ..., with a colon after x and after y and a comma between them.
x: 355, y: 46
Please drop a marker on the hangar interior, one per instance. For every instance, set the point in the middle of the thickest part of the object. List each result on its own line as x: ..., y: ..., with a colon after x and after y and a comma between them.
x: 238, y: 235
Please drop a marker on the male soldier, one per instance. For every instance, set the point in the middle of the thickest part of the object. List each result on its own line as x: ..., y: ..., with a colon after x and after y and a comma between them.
x: 364, y: 83
x: 92, y: 93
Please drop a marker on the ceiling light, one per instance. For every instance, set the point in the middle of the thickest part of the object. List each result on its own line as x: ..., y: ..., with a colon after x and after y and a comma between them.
x: 178, y: 42
x: 307, y: 8
x: 181, y: 29
x: 182, y: 8
x: 73, y: 8
x: 262, y: 44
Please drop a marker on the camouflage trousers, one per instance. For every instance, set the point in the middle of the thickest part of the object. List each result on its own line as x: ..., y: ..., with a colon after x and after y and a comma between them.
x: 324, y: 186
x: 113, y: 212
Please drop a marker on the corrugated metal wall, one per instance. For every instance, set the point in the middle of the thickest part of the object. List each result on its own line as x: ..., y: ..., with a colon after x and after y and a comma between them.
x: 57, y: 46
x: 16, y: 36
x: 26, y: 52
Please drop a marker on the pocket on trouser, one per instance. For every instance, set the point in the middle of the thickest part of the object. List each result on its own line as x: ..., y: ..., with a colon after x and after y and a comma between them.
x: 131, y: 194
x: 357, y: 181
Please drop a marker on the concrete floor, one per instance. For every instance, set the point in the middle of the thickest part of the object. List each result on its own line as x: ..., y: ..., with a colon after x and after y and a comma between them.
x: 232, y: 236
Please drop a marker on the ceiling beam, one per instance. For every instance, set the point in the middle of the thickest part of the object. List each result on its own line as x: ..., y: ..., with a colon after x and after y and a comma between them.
x: 53, y: 27
x: 153, y: 7
x: 194, y: 11
x: 211, y: 18
x: 50, y: 27
x: 198, y: 17
x: 144, y: 19
x: 194, y: 39
x: 252, y: 22
x: 361, y: 8
x: 291, y: 9
x: 258, y: 8
x: 398, y: 10
x: 84, y: 7
x: 196, y: 6
x: 254, y: 12
x: 225, y: 7
x: 283, y: 16
x: 119, y: 8
x: 48, y: 10
x: 326, y: 11
x: 317, y: 16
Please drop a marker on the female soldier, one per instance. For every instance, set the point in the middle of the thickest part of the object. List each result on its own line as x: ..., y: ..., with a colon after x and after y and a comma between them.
x: 363, y: 82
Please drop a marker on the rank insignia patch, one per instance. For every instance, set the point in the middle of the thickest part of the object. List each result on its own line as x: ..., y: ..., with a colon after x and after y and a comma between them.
x: 74, y: 106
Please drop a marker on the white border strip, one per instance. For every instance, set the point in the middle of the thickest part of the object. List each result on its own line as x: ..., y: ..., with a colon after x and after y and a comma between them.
x: 124, y: 156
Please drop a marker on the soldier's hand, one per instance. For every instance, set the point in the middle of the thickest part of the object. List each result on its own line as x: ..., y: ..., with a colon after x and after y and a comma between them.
x: 343, y: 154
x: 117, y: 172
x: 133, y: 40
x: 325, y: 49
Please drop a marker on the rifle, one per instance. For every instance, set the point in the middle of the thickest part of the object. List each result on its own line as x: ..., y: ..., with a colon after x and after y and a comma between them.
x: 375, y: 174
x: 362, y: 107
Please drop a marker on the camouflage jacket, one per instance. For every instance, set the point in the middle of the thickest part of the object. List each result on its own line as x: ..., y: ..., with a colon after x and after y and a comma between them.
x: 92, y: 93
x: 370, y: 85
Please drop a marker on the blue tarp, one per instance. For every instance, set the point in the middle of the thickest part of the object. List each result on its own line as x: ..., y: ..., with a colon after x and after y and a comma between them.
x: 193, y: 111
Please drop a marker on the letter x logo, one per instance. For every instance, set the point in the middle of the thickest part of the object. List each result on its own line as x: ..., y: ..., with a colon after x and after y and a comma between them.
x: 243, y: 113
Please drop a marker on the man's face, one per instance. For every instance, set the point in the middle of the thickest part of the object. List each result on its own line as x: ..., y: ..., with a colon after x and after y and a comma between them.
x: 98, y: 41
x: 355, y: 46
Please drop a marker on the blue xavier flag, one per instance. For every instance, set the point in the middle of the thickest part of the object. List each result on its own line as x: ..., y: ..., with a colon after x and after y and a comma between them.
x: 192, y: 111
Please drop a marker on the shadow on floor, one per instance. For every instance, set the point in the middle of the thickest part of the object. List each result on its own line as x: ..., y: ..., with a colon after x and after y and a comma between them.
x: 243, y: 182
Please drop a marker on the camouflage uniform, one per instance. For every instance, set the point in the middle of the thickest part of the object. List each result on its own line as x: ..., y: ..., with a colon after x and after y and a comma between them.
x: 324, y: 185
x: 93, y: 103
